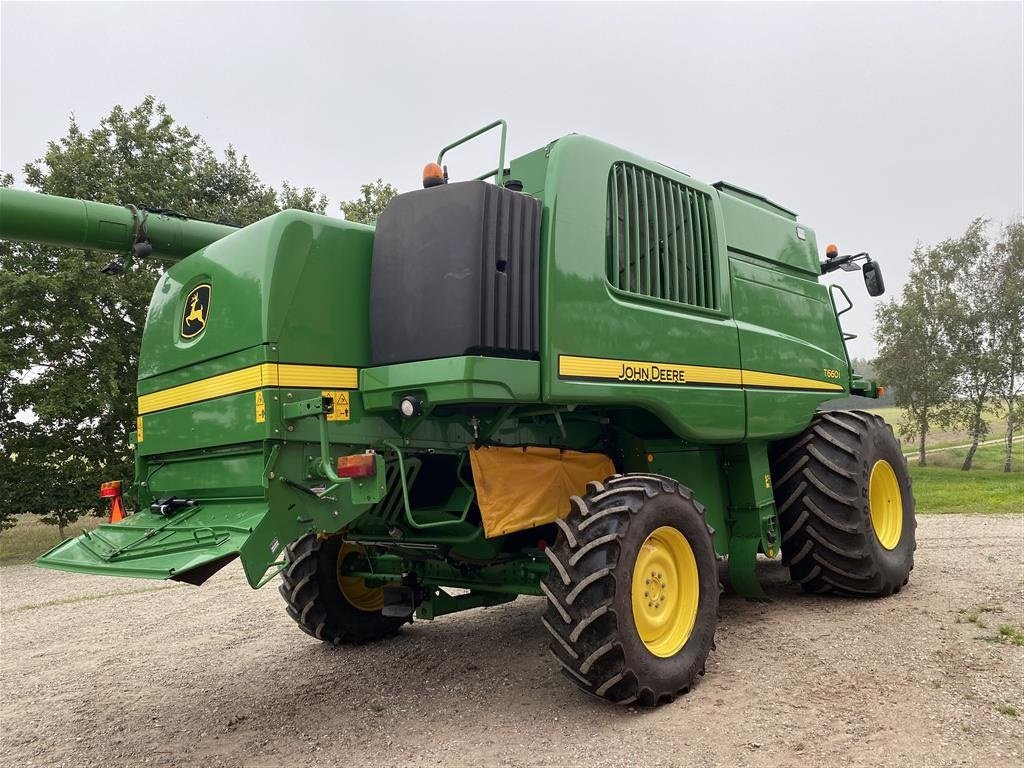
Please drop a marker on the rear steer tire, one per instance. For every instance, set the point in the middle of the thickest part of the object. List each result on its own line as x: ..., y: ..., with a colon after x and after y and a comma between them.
x: 632, y: 527
x: 846, y: 506
x: 316, y: 601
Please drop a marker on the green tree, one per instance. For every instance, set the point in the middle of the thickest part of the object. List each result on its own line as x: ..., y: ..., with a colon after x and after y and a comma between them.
x: 1009, y: 329
x: 953, y: 341
x: 373, y: 199
x: 305, y: 199
x: 864, y: 367
x: 969, y: 321
x: 971, y: 324
x: 914, y: 353
x: 69, y: 335
x: 8, y: 470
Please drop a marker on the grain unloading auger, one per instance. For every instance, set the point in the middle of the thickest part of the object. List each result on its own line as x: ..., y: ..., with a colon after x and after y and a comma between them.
x: 591, y: 380
x: 141, y: 232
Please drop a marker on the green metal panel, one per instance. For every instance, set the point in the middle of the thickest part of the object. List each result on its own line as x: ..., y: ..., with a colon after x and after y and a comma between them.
x: 243, y: 357
x: 229, y: 473
x: 751, y: 517
x: 789, y: 305
x: 754, y: 199
x: 518, y: 577
x: 584, y: 315
x: 295, y: 280
x: 700, y: 470
x: 531, y: 170
x: 226, y: 420
x: 773, y: 414
x: 776, y: 237
x: 269, y: 511
x: 451, y: 380
x: 176, y: 545
x: 787, y: 325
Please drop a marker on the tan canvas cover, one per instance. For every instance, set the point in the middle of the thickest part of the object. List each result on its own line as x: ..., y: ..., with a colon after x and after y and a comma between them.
x: 519, y: 488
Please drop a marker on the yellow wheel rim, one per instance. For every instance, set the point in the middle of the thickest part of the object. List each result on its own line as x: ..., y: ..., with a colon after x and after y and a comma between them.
x: 885, y: 504
x: 353, y: 589
x: 665, y: 591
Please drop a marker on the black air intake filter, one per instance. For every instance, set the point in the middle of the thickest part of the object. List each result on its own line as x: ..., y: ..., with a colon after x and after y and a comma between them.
x: 455, y: 272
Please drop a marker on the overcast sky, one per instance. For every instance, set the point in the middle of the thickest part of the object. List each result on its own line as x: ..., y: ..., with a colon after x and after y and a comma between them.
x: 881, y: 124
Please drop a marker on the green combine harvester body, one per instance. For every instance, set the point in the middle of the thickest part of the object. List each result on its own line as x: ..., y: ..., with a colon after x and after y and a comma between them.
x: 407, y: 414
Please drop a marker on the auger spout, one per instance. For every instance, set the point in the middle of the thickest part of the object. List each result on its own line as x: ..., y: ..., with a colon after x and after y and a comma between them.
x: 30, y: 217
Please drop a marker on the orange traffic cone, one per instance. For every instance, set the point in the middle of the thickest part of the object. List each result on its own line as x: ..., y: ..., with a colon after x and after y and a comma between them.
x: 117, y: 513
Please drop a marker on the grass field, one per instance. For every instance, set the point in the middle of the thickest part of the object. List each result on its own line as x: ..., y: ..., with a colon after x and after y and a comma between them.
x: 986, y: 458
x: 940, y: 438
x: 945, y: 490
x: 942, y: 488
x: 30, y: 537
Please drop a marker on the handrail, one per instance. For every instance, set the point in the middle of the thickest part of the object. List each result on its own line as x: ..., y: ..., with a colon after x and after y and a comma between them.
x: 846, y: 296
x: 405, y: 493
x: 497, y: 173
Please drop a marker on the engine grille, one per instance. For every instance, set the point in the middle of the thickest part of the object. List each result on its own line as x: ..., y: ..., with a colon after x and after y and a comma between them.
x: 661, y: 237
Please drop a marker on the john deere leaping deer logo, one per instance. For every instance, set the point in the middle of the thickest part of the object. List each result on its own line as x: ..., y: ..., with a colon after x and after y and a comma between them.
x: 196, y: 312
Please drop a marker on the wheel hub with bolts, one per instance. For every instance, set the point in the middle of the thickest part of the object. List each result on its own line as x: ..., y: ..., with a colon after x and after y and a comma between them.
x: 665, y: 591
x: 656, y: 589
x: 885, y: 504
x: 362, y: 597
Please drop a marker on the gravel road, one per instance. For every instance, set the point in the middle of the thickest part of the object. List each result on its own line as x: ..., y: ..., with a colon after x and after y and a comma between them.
x: 112, y: 672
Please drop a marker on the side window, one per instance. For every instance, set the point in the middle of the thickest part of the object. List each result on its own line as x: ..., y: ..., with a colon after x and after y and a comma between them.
x: 660, y: 238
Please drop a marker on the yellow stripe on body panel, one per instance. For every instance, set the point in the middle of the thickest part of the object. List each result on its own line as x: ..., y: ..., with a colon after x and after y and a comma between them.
x: 645, y: 372
x: 636, y: 371
x: 253, y: 377
x: 780, y: 380
x: 318, y: 376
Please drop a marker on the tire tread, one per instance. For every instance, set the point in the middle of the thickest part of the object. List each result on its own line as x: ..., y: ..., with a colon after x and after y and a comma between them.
x: 822, y: 506
x: 580, y: 614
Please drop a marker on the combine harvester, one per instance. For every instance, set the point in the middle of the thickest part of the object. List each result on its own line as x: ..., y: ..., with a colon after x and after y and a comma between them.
x: 591, y: 380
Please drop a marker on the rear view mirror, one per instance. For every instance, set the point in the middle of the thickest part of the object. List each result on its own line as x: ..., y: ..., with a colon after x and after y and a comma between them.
x: 873, y: 279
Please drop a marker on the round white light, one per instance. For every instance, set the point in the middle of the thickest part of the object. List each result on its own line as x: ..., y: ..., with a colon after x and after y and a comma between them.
x: 408, y: 408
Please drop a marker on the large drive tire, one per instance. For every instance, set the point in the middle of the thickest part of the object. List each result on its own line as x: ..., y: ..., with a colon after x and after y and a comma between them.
x: 617, y: 637
x: 845, y: 506
x: 328, y: 606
